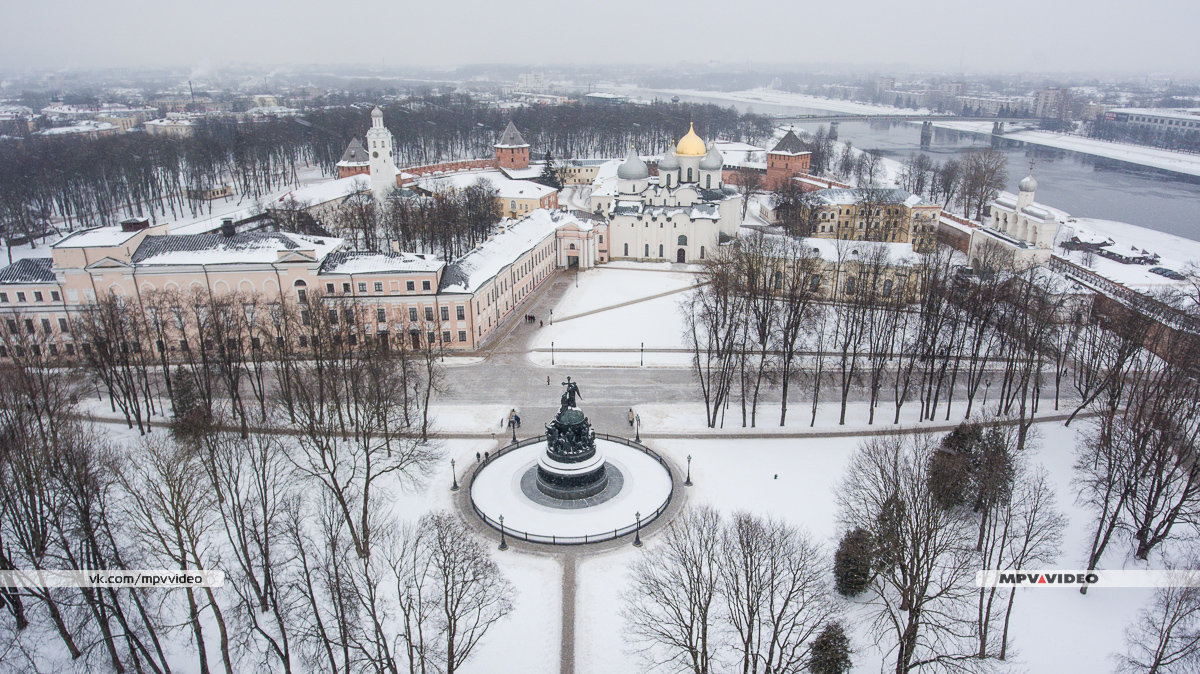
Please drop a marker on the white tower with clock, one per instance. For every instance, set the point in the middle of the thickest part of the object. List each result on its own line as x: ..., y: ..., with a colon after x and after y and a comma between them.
x: 383, y: 167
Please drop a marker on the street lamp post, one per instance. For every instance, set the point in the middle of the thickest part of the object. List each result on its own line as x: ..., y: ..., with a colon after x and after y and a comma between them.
x: 503, y: 543
x: 552, y: 348
x: 642, y: 355
x: 512, y: 423
x: 637, y: 536
x: 454, y: 476
x: 688, y: 481
x: 638, y: 420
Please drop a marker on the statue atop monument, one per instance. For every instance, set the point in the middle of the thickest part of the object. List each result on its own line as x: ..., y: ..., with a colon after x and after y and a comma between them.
x: 571, y: 468
x: 568, y: 396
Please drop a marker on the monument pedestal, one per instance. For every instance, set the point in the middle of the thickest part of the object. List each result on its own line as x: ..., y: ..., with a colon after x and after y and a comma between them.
x: 571, y: 467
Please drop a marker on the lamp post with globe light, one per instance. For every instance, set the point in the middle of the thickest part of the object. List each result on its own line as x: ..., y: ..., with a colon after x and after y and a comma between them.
x: 503, y: 543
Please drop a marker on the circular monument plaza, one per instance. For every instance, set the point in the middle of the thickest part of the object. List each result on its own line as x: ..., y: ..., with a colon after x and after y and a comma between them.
x: 571, y: 486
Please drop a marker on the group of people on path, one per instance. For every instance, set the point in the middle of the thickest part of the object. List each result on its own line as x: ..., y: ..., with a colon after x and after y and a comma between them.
x: 513, y: 419
x: 530, y: 318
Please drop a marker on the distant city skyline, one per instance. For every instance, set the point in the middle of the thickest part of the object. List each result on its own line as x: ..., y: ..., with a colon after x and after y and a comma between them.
x: 1100, y: 36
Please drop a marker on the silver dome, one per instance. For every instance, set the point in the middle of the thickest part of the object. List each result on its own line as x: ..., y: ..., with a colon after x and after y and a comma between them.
x: 633, y: 168
x: 669, y: 161
x: 1027, y: 184
x: 713, y: 161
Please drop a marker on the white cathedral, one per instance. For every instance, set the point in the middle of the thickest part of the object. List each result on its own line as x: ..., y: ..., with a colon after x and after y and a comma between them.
x: 680, y: 215
x: 1020, y: 226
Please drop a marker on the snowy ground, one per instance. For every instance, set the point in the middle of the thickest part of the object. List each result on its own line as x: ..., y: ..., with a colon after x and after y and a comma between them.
x: 1167, y: 160
x: 1177, y: 253
x: 795, y: 479
x: 656, y: 322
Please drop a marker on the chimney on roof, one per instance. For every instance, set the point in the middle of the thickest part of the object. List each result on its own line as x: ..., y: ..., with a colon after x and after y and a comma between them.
x: 227, y: 228
x: 134, y: 224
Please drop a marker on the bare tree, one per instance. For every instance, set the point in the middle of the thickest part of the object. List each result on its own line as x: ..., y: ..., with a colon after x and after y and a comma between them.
x: 919, y: 599
x: 672, y: 608
x: 1165, y: 636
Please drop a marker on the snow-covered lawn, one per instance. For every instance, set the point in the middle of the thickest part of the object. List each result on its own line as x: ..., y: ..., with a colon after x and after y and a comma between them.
x: 1054, y: 630
x: 657, y: 322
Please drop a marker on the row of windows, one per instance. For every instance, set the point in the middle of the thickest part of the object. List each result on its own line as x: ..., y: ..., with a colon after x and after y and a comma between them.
x: 38, y: 296
x: 31, y: 327
x: 331, y: 288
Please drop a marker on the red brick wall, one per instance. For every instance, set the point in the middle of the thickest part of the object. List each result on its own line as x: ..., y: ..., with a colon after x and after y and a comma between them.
x: 512, y: 157
x: 347, y: 171
x: 781, y: 167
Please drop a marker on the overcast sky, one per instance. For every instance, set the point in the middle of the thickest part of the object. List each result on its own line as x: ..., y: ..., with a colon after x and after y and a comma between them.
x: 1119, y: 36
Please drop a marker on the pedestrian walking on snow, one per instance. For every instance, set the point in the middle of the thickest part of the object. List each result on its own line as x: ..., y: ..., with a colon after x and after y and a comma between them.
x: 631, y: 416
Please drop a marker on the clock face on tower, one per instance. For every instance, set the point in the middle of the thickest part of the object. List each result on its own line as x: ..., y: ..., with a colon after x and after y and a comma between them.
x: 375, y: 154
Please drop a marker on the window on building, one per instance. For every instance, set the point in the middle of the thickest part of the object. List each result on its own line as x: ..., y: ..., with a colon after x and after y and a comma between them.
x: 814, y: 282
x: 29, y: 326
x: 445, y: 336
x: 430, y: 337
x: 45, y: 326
x: 301, y: 292
x: 689, y: 175
x: 380, y: 315
x: 851, y: 284
x: 626, y: 250
x: 412, y: 314
x: 462, y: 335
x: 329, y: 288
x: 429, y: 313
x: 446, y: 314
x: 887, y: 288
x: 660, y: 250
x: 424, y: 285
x: 701, y: 252
x: 346, y: 288
x: 410, y: 286
x: 362, y: 287
x: 601, y: 238
x: 646, y: 252
x: 63, y: 326
x: 3, y: 297
x: 460, y: 313
x: 37, y: 296
x: 20, y: 297
x: 379, y: 286
x: 333, y: 316
x: 682, y: 240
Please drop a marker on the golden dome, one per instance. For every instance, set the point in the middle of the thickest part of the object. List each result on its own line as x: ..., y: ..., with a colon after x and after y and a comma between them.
x: 691, y: 145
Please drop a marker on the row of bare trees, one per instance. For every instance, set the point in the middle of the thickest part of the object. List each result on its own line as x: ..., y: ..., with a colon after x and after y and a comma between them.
x: 749, y: 594
x: 322, y: 571
x: 774, y: 311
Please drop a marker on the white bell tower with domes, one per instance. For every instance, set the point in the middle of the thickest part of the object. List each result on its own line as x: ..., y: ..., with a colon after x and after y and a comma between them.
x: 379, y: 149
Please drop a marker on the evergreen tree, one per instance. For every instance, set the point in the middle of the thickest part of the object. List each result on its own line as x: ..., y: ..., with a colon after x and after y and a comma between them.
x: 549, y: 176
x: 192, y: 418
x: 830, y: 652
x: 853, y: 562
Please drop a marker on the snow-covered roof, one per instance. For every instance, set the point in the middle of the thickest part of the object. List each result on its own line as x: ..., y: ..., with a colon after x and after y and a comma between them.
x: 789, y: 144
x: 355, y: 154
x: 1188, y: 114
x: 96, y: 236
x: 475, y: 268
x: 169, y: 122
x: 86, y: 126
x: 506, y: 188
x: 528, y: 173
x: 363, y: 262
x: 742, y: 154
x: 845, y: 196
x: 28, y: 270
x: 244, y: 248
x: 327, y: 190
x: 511, y: 137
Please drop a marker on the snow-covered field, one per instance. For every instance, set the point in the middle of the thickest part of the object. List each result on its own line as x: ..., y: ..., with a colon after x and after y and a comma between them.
x: 1167, y: 160
x: 656, y: 322
x: 774, y: 97
x: 1054, y: 630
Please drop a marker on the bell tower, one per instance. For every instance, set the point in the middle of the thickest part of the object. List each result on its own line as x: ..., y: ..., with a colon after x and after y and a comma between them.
x: 379, y: 147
